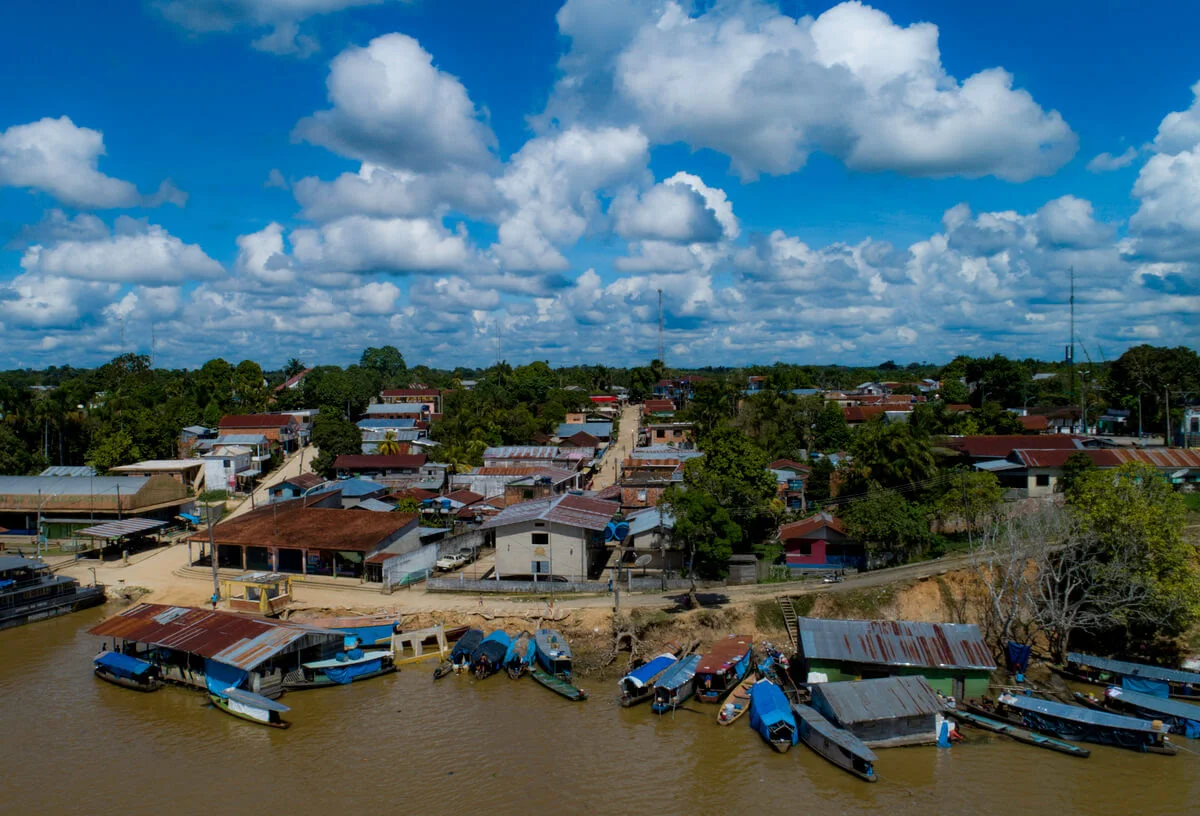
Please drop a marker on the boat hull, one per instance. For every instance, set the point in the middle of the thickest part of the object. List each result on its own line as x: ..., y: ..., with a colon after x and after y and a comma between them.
x: 559, y: 685
x: 836, y: 745
x: 84, y: 598
x: 1022, y: 735
x: 124, y: 682
x: 320, y: 680
x: 273, y: 719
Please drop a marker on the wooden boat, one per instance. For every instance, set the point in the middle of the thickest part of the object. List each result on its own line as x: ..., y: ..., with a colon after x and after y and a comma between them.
x: 553, y: 652
x: 127, y: 671
x: 521, y: 655
x: 347, y: 667
x: 1083, y: 724
x: 771, y: 716
x: 368, y: 630
x: 675, y: 685
x: 488, y: 657
x: 460, y: 655
x: 638, y: 686
x: 737, y: 703
x: 1089, y: 700
x: 251, y: 707
x: 837, y: 745
x: 559, y: 685
x: 988, y: 708
x: 1180, y: 717
x: 1138, y: 677
x: 727, y: 662
x: 1020, y: 734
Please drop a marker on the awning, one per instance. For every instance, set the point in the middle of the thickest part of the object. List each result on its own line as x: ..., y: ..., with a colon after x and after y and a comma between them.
x: 998, y: 464
x: 120, y: 529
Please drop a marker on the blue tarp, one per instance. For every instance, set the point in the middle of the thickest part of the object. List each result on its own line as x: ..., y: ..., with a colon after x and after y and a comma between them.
x: 220, y: 676
x: 123, y: 665
x: 347, y: 674
x: 643, y: 674
x: 769, y: 708
x: 1017, y: 655
x: 1144, y: 685
x: 194, y: 519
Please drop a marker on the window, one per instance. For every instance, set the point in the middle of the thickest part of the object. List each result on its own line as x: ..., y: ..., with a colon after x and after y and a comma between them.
x: 1043, y: 480
x: 527, y: 493
x: 641, y: 495
x: 804, y: 546
x: 659, y: 433
x: 540, y: 567
x: 1195, y: 426
x: 540, y: 539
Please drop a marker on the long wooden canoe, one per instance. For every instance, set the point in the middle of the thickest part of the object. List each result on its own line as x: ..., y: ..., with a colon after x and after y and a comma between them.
x: 558, y: 685
x: 1020, y: 734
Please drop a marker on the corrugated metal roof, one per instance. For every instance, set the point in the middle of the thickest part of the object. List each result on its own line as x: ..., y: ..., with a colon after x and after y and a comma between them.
x: 521, y: 452
x: 240, y: 439
x: 895, y: 643
x: 383, y: 409
x: 643, y: 521
x: 232, y: 639
x: 165, y: 465
x: 374, y: 505
x: 724, y: 653
x: 575, y: 511
x: 1126, y: 668
x: 359, y: 487
x: 68, y: 470
x: 116, y: 529
x: 600, y: 430
x: 1165, y: 706
x: 1074, y: 713
x: 883, y: 698
x: 386, y: 422
x: 70, y: 485
x: 839, y: 736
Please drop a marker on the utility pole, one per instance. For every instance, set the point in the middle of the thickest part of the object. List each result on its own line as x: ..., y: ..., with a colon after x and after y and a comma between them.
x: 1167, y: 394
x: 1071, y: 347
x: 212, y: 554
x: 1083, y: 402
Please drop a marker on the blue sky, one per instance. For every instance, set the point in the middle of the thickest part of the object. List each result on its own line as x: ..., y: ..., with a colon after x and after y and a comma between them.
x: 805, y: 182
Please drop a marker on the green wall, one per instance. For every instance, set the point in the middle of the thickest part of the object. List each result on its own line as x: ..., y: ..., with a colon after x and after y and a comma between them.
x: 975, y: 680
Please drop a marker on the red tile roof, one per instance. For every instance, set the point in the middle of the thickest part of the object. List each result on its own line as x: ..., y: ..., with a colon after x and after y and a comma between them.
x: 583, y: 439
x: 505, y: 471
x: 464, y: 496
x: 418, y: 493
x: 788, y: 464
x: 290, y: 381
x: 806, y: 527
x: 861, y: 413
x: 999, y: 446
x: 374, y: 461
x: 256, y: 421
x: 657, y: 405
x: 1034, y: 423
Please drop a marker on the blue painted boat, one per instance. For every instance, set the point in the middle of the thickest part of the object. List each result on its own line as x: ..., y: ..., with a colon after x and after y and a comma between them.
x: 771, y: 716
x: 460, y: 655
x: 488, y: 657
x: 1156, y: 680
x: 726, y: 664
x: 348, y: 667
x: 1070, y: 722
x: 521, y: 655
x: 553, y: 652
x: 126, y: 671
x: 1180, y: 717
x: 675, y: 685
x: 638, y: 686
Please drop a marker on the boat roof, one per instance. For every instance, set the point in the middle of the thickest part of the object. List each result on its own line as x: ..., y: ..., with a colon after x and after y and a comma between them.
x: 12, y: 562
x: 724, y: 653
x: 1091, y: 716
x: 499, y: 636
x: 881, y: 698
x: 123, y: 662
x: 1159, y: 705
x: 333, y: 662
x: 839, y: 736
x: 249, y: 698
x: 1133, y: 669
x: 649, y: 670
x: 552, y: 644
x: 683, y: 670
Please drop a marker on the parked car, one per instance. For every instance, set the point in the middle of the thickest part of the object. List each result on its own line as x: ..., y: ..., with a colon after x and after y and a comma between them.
x: 468, y: 554
x: 832, y: 579
x: 450, y: 562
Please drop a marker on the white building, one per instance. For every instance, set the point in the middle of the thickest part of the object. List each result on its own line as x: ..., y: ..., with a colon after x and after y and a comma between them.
x: 561, y: 535
x: 223, y: 464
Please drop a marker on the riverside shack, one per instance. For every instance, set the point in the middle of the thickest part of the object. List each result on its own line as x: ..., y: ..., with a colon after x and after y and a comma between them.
x: 951, y: 656
x: 218, y: 650
x: 885, y: 712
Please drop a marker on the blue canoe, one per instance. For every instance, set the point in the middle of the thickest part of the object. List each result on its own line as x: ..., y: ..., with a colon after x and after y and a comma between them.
x: 488, y: 657
x: 638, y: 685
x: 1083, y: 724
x: 553, y: 652
x: 771, y: 716
x: 460, y: 655
x: 126, y: 671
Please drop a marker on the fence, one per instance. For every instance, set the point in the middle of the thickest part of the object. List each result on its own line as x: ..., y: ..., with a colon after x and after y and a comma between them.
x: 506, y: 587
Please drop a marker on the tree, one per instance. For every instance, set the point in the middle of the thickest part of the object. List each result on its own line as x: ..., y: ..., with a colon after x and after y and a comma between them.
x: 293, y: 367
x: 891, y: 528
x: 817, y: 489
x: 971, y: 497
x: 991, y: 418
x: 997, y: 378
x: 387, y: 362
x: 888, y: 455
x: 1078, y: 465
x: 733, y: 472
x: 704, y: 529
x: 711, y: 405
x: 16, y: 458
x: 249, y: 387
x: 1140, y: 378
x: 954, y: 392
x: 389, y: 445
x: 830, y: 431
x: 112, y: 448
x: 333, y: 436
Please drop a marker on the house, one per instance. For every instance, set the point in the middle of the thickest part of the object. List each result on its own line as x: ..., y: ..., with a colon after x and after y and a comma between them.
x: 952, y: 657
x: 541, y: 483
x: 1034, y: 424
x: 430, y: 398
x: 857, y: 415
x: 63, y: 504
x: 1189, y: 431
x: 299, y: 537
x: 398, y: 410
x: 542, y: 456
x: 380, y: 467
x: 295, y: 487
x: 356, y: 490
x: 668, y: 433
x: 188, y: 472
x: 281, y: 430
x: 581, y: 440
x: 601, y: 431
x: 190, y: 436
x: 820, y: 542
x: 790, y: 480
x: 1037, y: 474
x: 294, y: 382
x: 650, y: 536
x: 225, y: 465
x: 202, y: 647
x: 658, y: 408
x: 976, y: 449
x: 404, y: 438
x: 884, y: 712
x: 560, y: 536
x: 386, y: 424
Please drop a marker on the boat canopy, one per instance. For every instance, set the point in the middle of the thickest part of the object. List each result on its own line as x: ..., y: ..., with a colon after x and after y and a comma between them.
x: 1078, y: 714
x: 249, y: 698
x: 646, y: 672
x: 769, y: 708
x: 840, y: 737
x: 343, y: 660
x: 1186, y: 714
x: 683, y: 671
x: 1126, y: 668
x: 123, y: 665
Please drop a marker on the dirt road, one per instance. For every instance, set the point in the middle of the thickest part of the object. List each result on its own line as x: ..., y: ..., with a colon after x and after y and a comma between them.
x: 294, y: 465
x: 625, y: 443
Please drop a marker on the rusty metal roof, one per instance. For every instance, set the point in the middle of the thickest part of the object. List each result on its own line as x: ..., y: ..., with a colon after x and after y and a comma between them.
x: 574, y: 511
x: 895, y: 643
x: 235, y: 640
x: 724, y: 653
x: 884, y: 698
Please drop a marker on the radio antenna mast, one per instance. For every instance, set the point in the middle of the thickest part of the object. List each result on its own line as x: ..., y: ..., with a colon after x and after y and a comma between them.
x: 1071, y: 347
x: 661, y: 348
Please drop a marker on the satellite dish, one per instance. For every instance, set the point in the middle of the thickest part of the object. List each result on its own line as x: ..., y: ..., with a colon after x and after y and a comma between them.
x: 643, y: 560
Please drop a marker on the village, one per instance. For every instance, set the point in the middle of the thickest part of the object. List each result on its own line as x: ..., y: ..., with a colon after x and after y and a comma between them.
x: 355, y: 556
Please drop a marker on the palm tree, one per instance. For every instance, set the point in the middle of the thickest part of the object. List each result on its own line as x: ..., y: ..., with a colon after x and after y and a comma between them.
x: 292, y: 368
x: 389, y: 445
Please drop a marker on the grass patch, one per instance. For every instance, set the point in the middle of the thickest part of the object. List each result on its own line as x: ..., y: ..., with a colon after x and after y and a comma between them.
x: 948, y: 545
x: 861, y: 602
x: 214, y: 495
x: 803, y: 604
x: 1192, y: 502
x: 768, y: 617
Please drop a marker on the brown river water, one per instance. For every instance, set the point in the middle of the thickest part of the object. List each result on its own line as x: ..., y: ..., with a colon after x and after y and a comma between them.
x: 403, y: 744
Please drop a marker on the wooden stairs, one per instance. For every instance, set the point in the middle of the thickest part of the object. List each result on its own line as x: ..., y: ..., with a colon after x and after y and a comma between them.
x: 789, y: 620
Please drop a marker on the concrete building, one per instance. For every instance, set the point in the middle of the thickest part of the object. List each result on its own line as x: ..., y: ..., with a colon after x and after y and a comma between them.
x: 560, y: 536
x: 885, y: 712
x: 952, y: 657
x: 188, y: 472
x: 820, y: 542
x: 63, y: 504
x: 223, y: 465
x: 282, y: 430
x: 1037, y: 474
